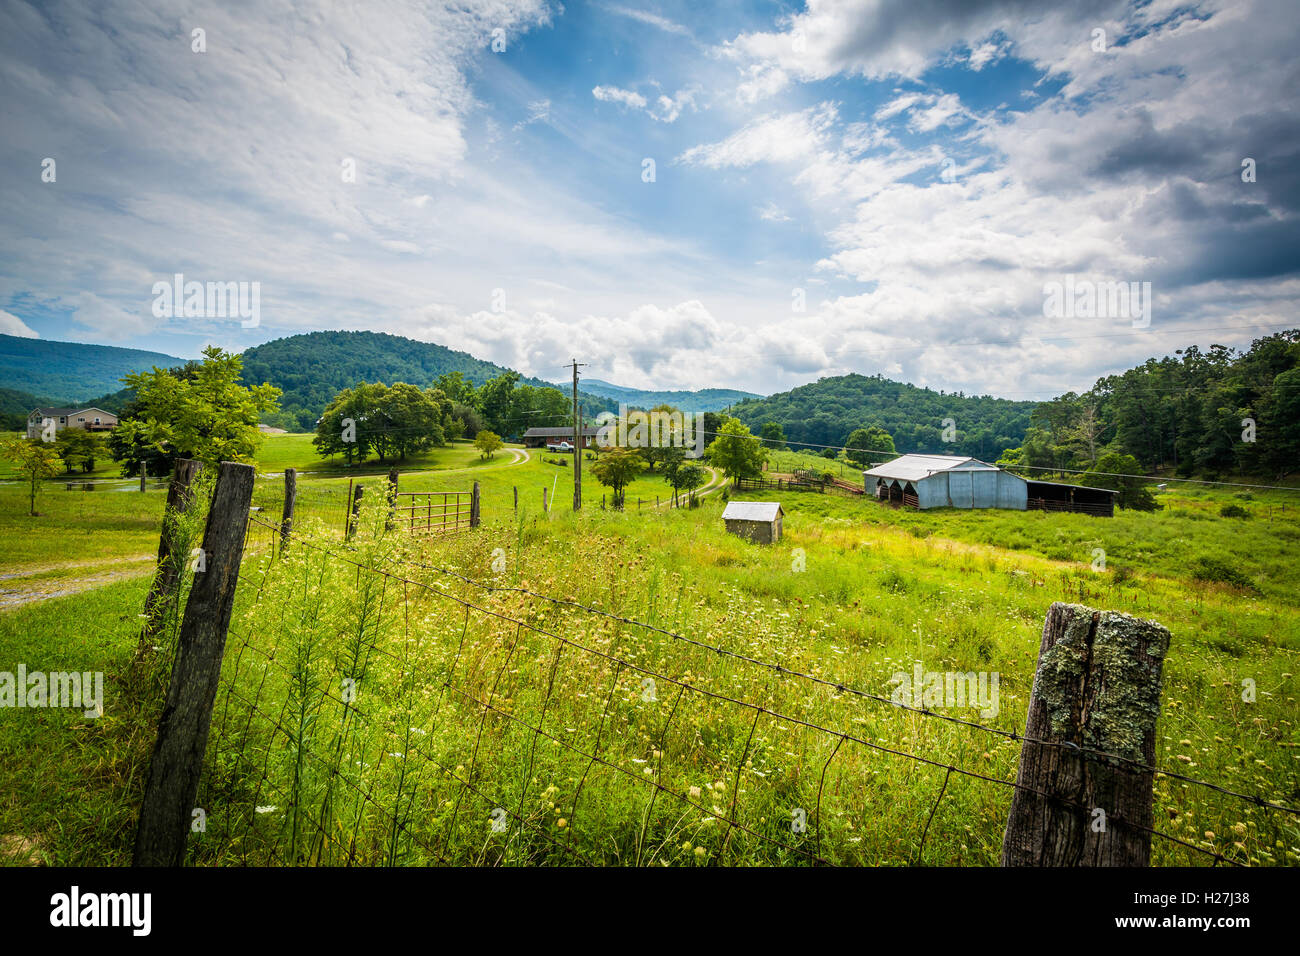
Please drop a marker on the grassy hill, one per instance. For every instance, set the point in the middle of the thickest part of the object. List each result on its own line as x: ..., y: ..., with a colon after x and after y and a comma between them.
x: 826, y: 411
x: 311, y: 369
x: 71, y: 371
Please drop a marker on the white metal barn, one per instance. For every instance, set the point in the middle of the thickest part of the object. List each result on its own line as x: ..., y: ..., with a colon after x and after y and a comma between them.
x: 946, y: 481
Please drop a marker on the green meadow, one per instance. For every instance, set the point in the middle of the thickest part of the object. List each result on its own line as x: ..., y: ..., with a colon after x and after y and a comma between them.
x: 523, y: 731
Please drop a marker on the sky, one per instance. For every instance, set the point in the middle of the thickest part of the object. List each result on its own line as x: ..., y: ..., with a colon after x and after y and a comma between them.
x: 749, y: 195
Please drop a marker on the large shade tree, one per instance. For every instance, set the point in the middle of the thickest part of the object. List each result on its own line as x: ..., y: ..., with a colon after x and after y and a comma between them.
x: 203, y: 413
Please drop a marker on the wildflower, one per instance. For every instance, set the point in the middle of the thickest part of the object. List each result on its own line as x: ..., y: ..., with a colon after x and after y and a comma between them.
x: 694, y: 792
x: 561, y: 823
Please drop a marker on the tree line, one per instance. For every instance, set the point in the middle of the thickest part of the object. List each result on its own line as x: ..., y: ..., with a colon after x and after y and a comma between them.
x: 1204, y: 414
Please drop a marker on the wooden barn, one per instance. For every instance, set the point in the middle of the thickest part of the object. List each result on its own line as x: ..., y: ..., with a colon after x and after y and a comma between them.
x: 759, y: 521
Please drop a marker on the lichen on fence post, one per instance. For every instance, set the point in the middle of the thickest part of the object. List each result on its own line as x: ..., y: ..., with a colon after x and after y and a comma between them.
x: 1084, y: 788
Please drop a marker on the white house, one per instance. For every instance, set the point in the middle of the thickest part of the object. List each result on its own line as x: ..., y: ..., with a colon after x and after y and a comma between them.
x: 91, y: 419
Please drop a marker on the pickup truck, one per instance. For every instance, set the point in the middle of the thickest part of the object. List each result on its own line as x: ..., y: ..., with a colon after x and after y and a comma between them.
x: 558, y: 446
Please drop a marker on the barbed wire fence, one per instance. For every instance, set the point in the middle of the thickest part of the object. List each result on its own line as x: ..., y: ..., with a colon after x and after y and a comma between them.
x: 397, y: 721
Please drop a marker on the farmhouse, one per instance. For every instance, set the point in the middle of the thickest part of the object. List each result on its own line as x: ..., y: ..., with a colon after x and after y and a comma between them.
x: 759, y: 521
x: 539, y: 437
x: 950, y: 481
x: 91, y: 419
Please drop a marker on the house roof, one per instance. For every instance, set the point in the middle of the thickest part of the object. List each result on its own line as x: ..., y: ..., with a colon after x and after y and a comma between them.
x: 916, y: 467
x: 752, y: 511
x: 561, y: 432
x: 64, y: 412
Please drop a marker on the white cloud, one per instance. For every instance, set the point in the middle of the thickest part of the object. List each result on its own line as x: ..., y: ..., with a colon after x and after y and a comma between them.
x: 614, y: 94
x: 10, y: 324
x: 651, y: 19
x: 761, y: 82
x: 664, y: 109
x: 775, y: 138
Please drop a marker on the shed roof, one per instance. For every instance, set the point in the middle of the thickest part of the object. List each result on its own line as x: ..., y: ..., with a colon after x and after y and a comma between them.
x: 916, y: 467
x: 752, y: 511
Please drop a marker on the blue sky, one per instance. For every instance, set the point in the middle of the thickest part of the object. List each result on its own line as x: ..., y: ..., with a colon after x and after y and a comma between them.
x: 911, y: 173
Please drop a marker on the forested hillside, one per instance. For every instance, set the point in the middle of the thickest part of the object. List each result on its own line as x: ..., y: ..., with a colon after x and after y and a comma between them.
x: 311, y: 369
x: 1205, y: 413
x: 71, y: 372
x: 826, y: 411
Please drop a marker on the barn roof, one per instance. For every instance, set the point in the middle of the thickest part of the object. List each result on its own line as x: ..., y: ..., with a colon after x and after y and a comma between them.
x: 916, y: 467
x: 752, y: 511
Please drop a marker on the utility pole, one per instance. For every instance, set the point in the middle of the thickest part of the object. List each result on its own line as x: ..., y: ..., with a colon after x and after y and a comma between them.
x: 577, y: 441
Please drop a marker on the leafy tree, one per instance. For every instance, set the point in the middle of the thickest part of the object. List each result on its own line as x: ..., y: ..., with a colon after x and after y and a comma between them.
x: 456, y: 387
x: 1134, y: 493
x: 530, y: 406
x: 495, y: 402
x: 737, y: 452
x: 205, y: 414
x: 34, y: 460
x: 667, y: 421
x: 79, y: 449
x: 773, y: 435
x: 865, y: 445
x: 615, y: 468
x: 686, y: 478
x: 467, y: 419
x: 340, y: 429
x: 487, y: 443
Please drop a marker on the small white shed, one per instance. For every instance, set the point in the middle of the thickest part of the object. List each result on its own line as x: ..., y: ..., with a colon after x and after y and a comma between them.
x: 759, y: 521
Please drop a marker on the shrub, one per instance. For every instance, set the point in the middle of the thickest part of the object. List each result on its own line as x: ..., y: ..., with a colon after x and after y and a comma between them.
x: 1211, y: 569
x: 1234, y: 511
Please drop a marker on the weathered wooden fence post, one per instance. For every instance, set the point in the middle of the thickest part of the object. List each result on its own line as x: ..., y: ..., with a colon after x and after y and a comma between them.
x: 1096, y: 691
x: 143, y: 473
x: 354, y: 514
x: 516, y: 489
x: 290, y: 499
x: 183, y: 729
x: 391, y: 492
x: 545, y: 506
x: 474, y: 507
x: 167, y: 579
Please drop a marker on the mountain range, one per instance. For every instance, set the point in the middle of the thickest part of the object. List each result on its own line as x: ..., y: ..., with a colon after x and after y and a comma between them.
x: 309, y: 369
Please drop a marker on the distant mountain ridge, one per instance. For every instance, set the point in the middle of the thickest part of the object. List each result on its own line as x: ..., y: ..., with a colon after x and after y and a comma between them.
x: 700, y: 400
x: 71, y: 372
